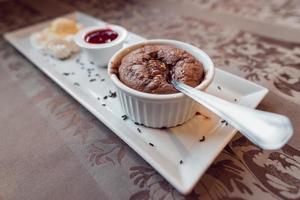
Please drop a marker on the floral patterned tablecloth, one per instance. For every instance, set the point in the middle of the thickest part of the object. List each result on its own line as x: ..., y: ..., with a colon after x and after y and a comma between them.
x: 52, y: 148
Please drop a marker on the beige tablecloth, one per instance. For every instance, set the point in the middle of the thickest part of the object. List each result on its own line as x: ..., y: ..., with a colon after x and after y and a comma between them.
x: 52, y: 148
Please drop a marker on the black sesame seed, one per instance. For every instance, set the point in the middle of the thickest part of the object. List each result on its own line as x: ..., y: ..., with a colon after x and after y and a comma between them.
x: 102, y: 79
x: 224, y: 122
x: 235, y: 100
x: 91, y: 62
x: 181, y: 162
x: 112, y: 94
x: 219, y: 87
x: 98, y: 98
x: 92, y: 80
x: 136, y: 123
x: 151, y: 144
x: 139, y: 130
x: 202, y: 139
x: 105, y: 97
x: 77, y: 84
x: 77, y: 60
x: 124, y: 117
x: 66, y: 74
x: 96, y: 74
x: 103, y: 104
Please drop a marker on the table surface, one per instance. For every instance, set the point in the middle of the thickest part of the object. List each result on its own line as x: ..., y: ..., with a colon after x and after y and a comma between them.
x: 52, y: 148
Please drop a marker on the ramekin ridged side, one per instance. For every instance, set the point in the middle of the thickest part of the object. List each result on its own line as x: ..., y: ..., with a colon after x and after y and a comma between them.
x: 157, y: 114
x: 158, y: 110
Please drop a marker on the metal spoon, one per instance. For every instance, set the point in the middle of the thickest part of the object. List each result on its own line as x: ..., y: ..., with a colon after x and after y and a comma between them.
x: 265, y: 129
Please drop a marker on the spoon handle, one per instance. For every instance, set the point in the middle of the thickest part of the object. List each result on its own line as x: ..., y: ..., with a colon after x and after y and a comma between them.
x: 265, y: 129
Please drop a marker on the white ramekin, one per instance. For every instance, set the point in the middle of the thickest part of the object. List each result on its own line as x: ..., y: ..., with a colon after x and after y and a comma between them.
x: 101, y: 53
x: 159, y: 110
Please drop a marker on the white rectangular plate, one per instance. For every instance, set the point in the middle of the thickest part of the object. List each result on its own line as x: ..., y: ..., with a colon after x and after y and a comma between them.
x: 170, y: 145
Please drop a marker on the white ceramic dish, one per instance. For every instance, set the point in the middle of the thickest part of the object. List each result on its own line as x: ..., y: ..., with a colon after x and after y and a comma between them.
x: 171, y: 145
x: 155, y: 110
x: 101, y: 53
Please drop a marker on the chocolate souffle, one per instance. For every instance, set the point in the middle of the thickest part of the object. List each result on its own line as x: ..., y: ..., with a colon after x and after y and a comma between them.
x: 151, y: 68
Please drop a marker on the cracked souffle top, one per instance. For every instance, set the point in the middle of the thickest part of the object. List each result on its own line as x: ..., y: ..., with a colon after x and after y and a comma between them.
x: 152, y: 67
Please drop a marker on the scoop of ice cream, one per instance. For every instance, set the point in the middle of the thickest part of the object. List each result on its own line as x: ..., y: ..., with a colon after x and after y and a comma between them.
x: 60, y: 48
x: 151, y: 68
x: 57, y: 40
x: 63, y: 27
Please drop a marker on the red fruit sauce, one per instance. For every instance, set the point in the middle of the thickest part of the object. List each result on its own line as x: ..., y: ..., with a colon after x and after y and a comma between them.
x: 101, y: 36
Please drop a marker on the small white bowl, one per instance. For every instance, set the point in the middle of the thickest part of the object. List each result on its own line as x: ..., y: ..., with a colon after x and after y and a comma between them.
x: 159, y: 110
x: 101, y: 53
